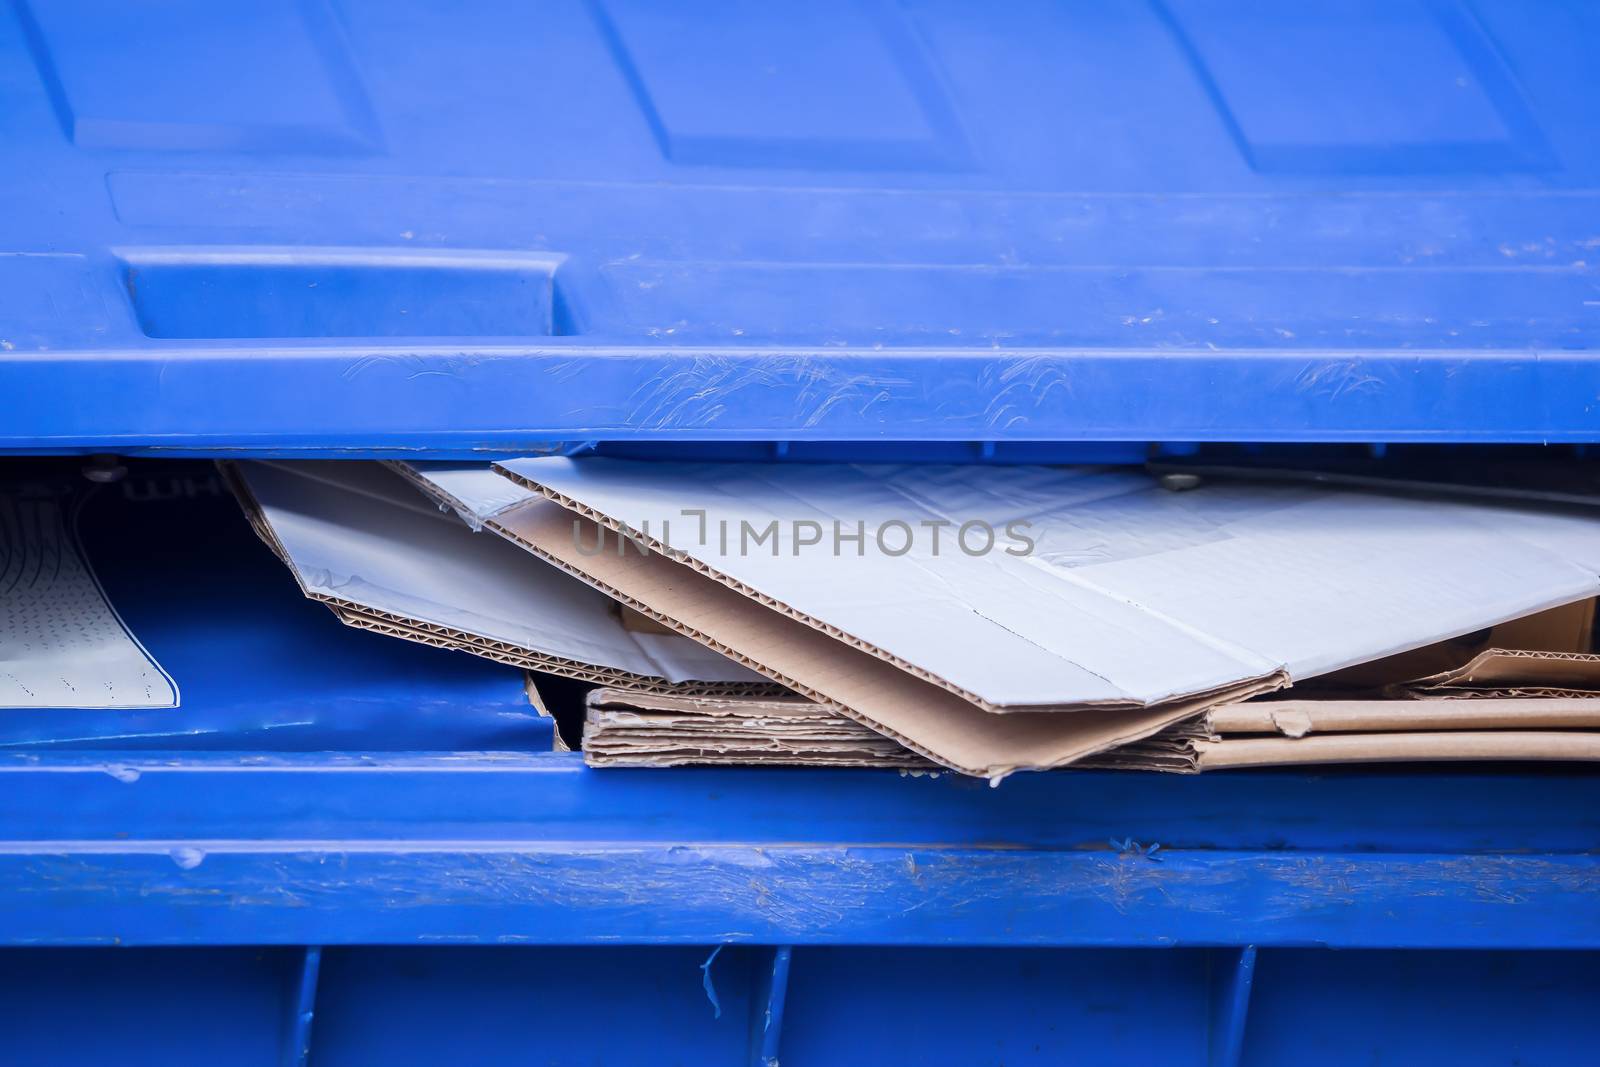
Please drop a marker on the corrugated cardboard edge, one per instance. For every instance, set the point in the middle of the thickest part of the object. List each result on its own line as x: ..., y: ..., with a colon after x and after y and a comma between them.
x: 363, y: 618
x: 630, y: 729
x: 1250, y: 686
x: 710, y: 704
x: 515, y: 656
x: 406, y: 628
x: 972, y: 739
x: 1493, y: 746
x: 1477, y: 675
x: 1521, y: 692
x: 1565, y: 628
x: 1299, y: 718
x: 712, y: 752
x: 692, y: 756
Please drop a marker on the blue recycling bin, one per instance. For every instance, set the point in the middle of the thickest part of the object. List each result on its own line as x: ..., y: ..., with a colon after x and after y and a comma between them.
x: 1328, y: 231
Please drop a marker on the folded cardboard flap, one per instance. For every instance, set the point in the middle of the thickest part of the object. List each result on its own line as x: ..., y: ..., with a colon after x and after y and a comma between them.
x: 936, y: 613
x: 1129, y: 575
x: 1129, y: 597
x: 1514, y: 672
x: 923, y: 716
x: 1566, y: 628
x: 384, y: 557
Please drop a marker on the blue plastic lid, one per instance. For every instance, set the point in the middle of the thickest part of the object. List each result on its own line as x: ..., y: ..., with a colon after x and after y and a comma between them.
x: 294, y: 225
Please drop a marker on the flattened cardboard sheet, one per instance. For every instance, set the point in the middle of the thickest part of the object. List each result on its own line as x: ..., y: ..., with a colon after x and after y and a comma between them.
x: 925, y: 717
x: 1126, y: 595
x: 1488, y: 746
x: 360, y: 539
x: 1299, y: 718
x: 1568, y: 628
x: 1133, y: 594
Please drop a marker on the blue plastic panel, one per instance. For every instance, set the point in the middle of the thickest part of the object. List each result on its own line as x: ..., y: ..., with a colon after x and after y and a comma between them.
x: 517, y: 849
x: 507, y: 909
x: 844, y: 1007
x: 369, y: 226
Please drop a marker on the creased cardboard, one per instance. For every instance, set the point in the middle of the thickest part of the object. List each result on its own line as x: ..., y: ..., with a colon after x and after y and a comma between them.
x: 931, y: 721
x: 1132, y: 597
x: 1568, y: 628
x: 385, y: 558
x: 1135, y: 598
x: 923, y: 716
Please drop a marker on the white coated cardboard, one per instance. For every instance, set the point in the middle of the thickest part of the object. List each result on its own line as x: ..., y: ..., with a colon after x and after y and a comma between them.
x: 1132, y: 596
x: 359, y: 537
x: 62, y: 644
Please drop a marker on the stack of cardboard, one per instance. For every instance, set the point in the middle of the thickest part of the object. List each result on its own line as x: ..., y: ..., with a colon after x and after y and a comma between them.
x: 985, y: 620
x: 627, y: 728
x: 1525, y: 705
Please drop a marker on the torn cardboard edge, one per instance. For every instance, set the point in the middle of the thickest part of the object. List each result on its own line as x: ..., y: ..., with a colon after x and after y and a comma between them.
x: 645, y: 542
x: 421, y: 631
x: 924, y: 716
x: 536, y: 700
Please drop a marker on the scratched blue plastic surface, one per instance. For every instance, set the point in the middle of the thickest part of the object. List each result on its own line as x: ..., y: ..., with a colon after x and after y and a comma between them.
x: 513, y: 909
x: 384, y: 225
x: 1018, y: 231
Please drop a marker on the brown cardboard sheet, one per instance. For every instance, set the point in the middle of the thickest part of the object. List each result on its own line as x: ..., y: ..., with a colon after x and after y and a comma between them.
x: 924, y: 716
x: 1488, y: 746
x: 1299, y: 718
x: 1506, y: 672
x: 628, y: 728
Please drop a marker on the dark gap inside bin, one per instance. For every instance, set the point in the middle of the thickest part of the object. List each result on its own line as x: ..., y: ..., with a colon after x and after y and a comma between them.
x: 256, y: 665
